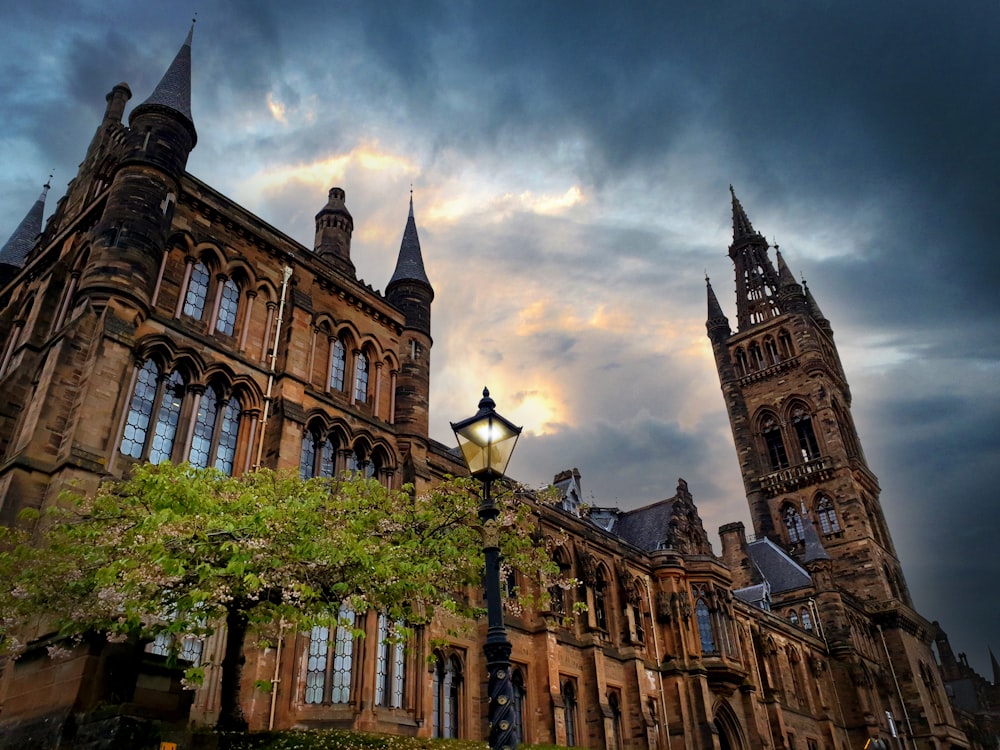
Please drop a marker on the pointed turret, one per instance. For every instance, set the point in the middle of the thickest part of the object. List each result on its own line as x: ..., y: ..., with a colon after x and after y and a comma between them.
x: 717, y: 323
x: 409, y: 289
x: 757, y: 283
x: 173, y: 92
x: 814, y: 310
x: 411, y: 293
x: 15, y: 251
x: 790, y: 294
x: 130, y: 237
x: 813, y: 548
x: 410, y: 263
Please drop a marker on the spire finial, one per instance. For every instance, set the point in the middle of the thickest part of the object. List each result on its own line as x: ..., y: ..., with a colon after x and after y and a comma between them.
x: 411, y: 200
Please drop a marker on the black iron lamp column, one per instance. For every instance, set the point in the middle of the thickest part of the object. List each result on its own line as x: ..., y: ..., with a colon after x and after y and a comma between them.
x: 487, y: 442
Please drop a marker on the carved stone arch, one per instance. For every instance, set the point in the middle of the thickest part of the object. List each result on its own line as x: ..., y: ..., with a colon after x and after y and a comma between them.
x: 249, y: 393
x: 240, y: 271
x: 728, y: 728
x: 183, y: 241
x: 316, y: 424
x: 211, y: 255
x: 350, y: 335
x: 266, y: 290
x: 220, y: 372
x: 338, y: 429
x: 391, y: 360
x: 794, y: 404
x: 324, y: 322
x: 382, y: 449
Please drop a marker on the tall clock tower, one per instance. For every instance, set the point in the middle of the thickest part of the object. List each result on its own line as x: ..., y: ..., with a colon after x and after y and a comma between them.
x: 789, y: 406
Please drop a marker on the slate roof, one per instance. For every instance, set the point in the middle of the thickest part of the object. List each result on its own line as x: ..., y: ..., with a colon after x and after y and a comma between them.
x: 754, y: 595
x: 410, y: 264
x: 779, y: 570
x: 15, y: 250
x: 646, y: 527
x: 174, y: 89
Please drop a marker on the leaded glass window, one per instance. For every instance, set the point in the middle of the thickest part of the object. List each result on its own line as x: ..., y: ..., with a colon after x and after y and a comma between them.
x: 307, y: 462
x: 229, y: 428
x: 228, y: 306
x: 793, y: 522
x: 705, y: 632
x: 327, y: 458
x: 446, y: 687
x: 361, y: 378
x: 338, y: 362
x: 167, y: 419
x: 569, y: 712
x: 328, y: 670
x: 140, y: 410
x: 390, y: 678
x: 808, y: 446
x: 204, y: 428
x: 197, y: 291
x: 828, y: 522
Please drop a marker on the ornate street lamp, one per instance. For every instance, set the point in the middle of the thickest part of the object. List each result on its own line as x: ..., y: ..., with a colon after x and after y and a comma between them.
x: 487, y: 441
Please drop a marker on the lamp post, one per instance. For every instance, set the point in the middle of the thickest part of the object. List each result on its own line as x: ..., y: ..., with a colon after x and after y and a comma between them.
x: 487, y: 441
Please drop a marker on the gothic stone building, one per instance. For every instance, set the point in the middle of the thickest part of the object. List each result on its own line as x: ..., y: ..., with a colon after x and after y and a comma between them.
x: 152, y: 318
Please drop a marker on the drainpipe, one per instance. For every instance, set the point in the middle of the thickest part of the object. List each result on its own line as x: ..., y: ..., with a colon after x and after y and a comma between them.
x: 659, y: 662
x: 899, y: 693
x: 287, y: 270
x: 277, y: 678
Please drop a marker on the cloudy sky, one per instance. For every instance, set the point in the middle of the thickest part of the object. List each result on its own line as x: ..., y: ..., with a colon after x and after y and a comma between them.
x: 570, y: 166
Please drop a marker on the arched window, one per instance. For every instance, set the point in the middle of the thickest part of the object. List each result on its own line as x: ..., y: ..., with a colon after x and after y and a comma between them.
x: 705, y: 632
x: 756, y: 358
x: 802, y: 422
x: 600, y: 603
x: 229, y: 303
x: 204, y: 428
x: 775, y: 444
x: 615, y: 704
x: 338, y: 363
x: 327, y: 457
x: 637, y: 612
x: 827, y: 516
x: 771, y: 350
x: 807, y: 623
x: 229, y: 427
x: 741, y: 362
x: 557, y: 595
x: 361, y: 378
x: 447, y: 686
x: 307, y: 459
x: 328, y: 675
x: 793, y: 617
x: 216, y: 431
x: 390, y: 677
x: 197, y: 291
x: 152, y: 393
x: 520, y: 696
x: 569, y: 712
x: 793, y: 522
x: 785, y: 344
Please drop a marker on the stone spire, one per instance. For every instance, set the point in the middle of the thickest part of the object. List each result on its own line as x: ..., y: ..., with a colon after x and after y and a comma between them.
x: 814, y: 310
x: 173, y: 92
x: 15, y: 250
x: 757, y: 283
x: 717, y: 323
x: 410, y: 263
x: 742, y: 228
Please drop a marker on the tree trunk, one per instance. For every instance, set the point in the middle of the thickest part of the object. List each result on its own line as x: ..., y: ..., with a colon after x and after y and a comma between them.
x: 231, y: 717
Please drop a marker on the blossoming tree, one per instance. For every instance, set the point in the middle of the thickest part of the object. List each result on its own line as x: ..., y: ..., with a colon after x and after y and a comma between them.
x: 178, y: 551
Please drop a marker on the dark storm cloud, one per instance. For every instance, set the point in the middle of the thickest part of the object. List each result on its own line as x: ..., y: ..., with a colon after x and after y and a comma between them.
x: 862, y: 135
